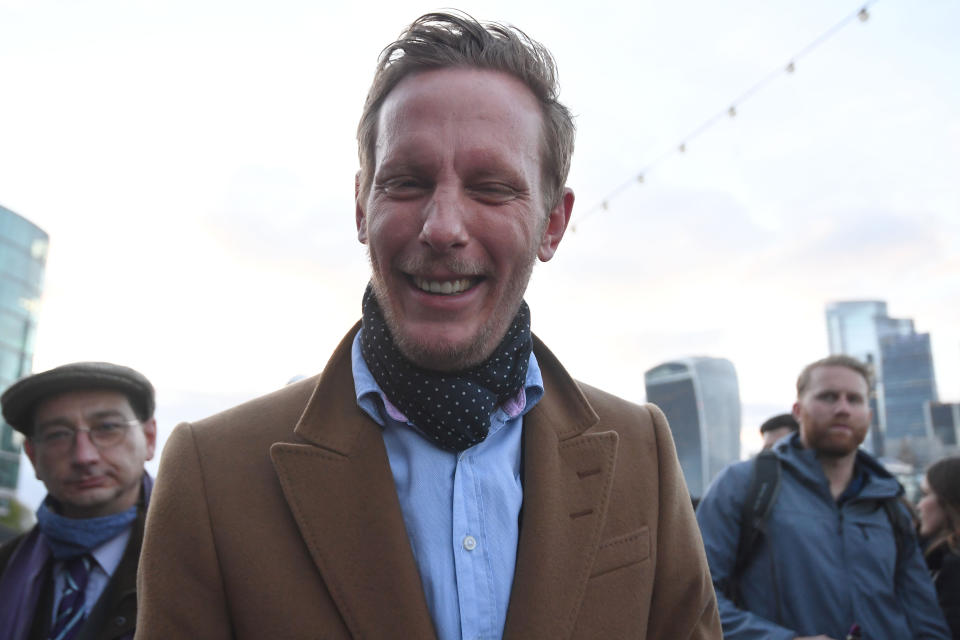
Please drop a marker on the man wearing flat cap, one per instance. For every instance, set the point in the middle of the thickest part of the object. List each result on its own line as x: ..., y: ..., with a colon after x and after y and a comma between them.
x: 89, y: 429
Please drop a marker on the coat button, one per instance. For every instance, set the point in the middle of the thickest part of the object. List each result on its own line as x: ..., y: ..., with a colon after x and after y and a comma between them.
x: 119, y: 621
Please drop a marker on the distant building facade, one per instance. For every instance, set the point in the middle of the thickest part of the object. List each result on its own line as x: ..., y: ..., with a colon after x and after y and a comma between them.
x: 701, y: 399
x: 908, y: 385
x: 943, y: 419
x: 902, y: 362
x: 23, y: 256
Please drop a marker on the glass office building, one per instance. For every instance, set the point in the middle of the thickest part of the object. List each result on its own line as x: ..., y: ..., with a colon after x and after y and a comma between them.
x: 701, y: 399
x: 908, y: 385
x: 862, y: 328
x: 943, y: 419
x: 23, y: 255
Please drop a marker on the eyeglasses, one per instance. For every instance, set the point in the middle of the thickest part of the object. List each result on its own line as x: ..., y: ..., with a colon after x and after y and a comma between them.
x: 103, y: 434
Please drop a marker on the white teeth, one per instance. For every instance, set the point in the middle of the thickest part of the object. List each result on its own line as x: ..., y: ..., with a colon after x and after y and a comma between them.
x: 444, y: 287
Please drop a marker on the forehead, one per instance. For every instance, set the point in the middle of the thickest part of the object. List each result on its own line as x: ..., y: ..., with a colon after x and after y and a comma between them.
x: 70, y: 404
x: 467, y: 112
x: 837, y: 378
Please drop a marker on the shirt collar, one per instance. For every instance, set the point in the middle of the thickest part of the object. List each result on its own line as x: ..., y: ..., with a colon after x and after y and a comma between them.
x: 371, y: 399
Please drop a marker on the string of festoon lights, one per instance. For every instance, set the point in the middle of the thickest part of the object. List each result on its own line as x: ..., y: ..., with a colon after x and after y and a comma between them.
x: 729, y: 111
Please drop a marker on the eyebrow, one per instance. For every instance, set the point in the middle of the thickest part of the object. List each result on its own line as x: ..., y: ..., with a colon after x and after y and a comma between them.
x: 61, y: 421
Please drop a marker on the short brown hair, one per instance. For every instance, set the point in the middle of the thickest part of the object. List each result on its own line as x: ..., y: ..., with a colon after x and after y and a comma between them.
x: 444, y: 40
x: 834, y: 361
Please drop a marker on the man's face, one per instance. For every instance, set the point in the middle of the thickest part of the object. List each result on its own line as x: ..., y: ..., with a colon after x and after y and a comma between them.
x: 833, y: 411
x: 89, y: 481
x: 455, y: 215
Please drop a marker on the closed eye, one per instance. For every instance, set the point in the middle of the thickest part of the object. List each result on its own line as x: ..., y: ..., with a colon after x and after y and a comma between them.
x: 494, y: 192
x: 403, y: 187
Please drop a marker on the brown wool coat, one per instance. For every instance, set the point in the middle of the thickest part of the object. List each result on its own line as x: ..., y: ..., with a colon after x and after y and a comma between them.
x: 279, y: 519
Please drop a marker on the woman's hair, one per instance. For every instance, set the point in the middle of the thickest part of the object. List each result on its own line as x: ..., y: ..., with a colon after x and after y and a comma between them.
x: 943, y: 478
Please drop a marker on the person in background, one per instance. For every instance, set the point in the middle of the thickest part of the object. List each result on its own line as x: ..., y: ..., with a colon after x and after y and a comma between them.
x: 939, y: 511
x: 89, y: 430
x: 836, y: 549
x: 777, y: 427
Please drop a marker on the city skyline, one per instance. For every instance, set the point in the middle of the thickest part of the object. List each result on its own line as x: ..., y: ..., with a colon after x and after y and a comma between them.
x: 700, y: 397
x: 194, y: 166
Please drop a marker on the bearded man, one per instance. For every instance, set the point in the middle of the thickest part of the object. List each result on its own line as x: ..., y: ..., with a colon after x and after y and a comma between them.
x: 444, y: 477
x: 836, y: 550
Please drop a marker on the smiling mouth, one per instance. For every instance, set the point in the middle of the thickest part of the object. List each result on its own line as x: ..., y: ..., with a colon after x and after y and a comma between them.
x: 444, y: 287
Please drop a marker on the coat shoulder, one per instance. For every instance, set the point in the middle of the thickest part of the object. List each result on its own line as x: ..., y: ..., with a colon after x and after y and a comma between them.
x: 277, y: 410
x: 8, y: 548
x: 629, y: 419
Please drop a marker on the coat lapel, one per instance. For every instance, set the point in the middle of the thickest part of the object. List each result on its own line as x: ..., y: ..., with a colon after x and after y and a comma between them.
x: 340, y: 490
x: 567, y: 482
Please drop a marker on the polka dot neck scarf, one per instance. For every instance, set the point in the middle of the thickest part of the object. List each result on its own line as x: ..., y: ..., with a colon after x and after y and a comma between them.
x: 451, y: 409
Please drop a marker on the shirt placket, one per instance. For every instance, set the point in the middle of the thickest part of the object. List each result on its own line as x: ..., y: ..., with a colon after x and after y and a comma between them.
x: 470, y: 550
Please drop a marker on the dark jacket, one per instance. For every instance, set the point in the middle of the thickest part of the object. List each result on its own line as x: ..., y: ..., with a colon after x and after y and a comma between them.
x: 26, y: 587
x: 944, y: 565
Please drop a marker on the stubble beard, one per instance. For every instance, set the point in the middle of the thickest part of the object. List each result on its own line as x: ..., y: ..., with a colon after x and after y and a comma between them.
x: 452, y: 357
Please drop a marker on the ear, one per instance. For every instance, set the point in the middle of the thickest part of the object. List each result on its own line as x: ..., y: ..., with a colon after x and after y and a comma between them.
x: 556, y: 225
x: 361, y: 216
x: 31, y: 453
x: 150, y: 433
x: 796, y: 414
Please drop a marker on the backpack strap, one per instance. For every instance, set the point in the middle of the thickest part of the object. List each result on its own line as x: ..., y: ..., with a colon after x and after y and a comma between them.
x: 901, y: 529
x: 761, y: 494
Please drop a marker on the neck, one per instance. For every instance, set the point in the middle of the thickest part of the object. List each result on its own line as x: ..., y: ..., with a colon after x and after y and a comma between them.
x: 839, y: 471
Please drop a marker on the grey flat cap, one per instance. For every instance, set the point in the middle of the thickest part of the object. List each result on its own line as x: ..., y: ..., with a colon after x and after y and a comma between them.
x: 22, y: 397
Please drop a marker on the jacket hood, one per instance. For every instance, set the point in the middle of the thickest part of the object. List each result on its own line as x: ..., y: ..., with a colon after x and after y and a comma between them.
x: 880, y: 483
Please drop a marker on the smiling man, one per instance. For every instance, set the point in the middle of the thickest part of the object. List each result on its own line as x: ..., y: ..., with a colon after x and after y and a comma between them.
x: 836, y: 548
x: 89, y: 429
x: 444, y: 477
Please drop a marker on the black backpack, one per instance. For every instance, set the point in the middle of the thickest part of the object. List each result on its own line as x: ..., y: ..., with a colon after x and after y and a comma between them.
x: 763, y: 489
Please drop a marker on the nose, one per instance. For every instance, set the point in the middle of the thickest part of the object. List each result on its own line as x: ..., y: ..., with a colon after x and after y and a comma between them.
x: 84, y: 451
x: 843, y: 405
x: 444, y: 227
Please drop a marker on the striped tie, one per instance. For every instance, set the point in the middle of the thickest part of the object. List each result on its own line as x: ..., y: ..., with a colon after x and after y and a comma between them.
x: 70, y: 612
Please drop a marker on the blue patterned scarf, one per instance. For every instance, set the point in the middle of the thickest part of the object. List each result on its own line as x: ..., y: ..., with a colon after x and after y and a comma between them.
x: 69, y: 537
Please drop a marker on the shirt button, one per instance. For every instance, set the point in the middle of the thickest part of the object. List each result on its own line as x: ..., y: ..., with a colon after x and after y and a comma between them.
x: 469, y: 543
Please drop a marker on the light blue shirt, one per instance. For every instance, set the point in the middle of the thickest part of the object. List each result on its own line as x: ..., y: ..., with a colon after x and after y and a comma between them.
x: 461, y: 510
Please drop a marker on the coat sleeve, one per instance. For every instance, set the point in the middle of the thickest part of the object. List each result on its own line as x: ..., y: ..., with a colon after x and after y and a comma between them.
x: 948, y: 592
x: 684, y: 605
x: 179, y: 585
x: 719, y: 516
x: 916, y: 592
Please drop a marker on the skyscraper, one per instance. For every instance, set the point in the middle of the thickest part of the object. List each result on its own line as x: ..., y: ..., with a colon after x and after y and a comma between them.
x: 908, y: 385
x: 23, y: 255
x: 701, y: 399
x: 902, y: 362
x: 943, y: 419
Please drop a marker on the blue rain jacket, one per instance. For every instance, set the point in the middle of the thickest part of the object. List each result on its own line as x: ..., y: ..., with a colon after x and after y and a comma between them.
x: 821, y: 567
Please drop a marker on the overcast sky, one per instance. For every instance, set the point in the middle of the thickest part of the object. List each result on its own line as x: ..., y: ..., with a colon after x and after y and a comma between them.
x: 193, y: 163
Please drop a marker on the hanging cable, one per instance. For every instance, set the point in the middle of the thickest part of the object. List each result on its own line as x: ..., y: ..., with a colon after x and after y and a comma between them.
x: 730, y: 111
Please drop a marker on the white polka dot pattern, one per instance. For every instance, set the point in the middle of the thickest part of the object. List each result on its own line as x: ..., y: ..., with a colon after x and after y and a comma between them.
x: 452, y: 409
